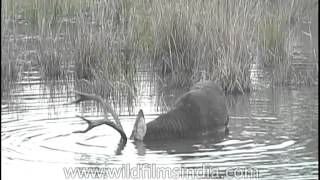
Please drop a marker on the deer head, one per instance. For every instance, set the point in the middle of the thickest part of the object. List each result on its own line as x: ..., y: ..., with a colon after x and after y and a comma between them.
x: 106, y: 108
x: 140, y: 127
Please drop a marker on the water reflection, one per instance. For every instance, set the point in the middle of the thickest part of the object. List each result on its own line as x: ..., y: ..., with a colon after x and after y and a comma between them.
x: 272, y: 129
x: 181, y: 146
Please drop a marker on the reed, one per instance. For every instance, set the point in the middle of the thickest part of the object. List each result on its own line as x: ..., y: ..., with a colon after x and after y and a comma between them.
x: 183, y: 41
x: 204, y: 39
x: 10, y: 68
x: 277, y: 34
x: 104, y: 48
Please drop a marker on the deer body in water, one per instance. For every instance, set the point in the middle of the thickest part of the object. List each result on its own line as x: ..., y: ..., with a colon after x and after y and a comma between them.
x: 201, y: 110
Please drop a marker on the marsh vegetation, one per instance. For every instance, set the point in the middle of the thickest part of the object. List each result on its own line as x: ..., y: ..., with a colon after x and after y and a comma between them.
x: 105, y: 44
x: 143, y: 54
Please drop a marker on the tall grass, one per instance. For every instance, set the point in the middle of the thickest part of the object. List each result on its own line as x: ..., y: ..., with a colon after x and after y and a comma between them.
x: 105, y: 42
x: 277, y: 34
x: 104, y: 48
x: 10, y: 67
x: 208, y: 39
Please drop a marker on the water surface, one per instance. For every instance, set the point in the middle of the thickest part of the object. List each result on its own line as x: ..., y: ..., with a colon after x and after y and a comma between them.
x: 272, y: 130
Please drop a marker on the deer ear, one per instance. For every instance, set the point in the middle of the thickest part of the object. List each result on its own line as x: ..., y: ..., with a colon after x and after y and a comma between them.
x: 140, y: 127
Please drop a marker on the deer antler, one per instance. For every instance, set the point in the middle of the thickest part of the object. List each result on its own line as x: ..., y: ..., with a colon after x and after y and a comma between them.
x: 106, y: 108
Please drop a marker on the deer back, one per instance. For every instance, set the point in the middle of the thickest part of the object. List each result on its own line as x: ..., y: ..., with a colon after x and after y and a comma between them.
x: 201, y: 110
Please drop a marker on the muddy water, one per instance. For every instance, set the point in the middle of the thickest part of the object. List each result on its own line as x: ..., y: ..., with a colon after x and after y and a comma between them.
x: 273, y: 131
